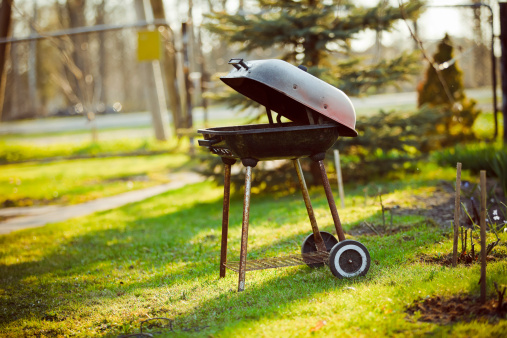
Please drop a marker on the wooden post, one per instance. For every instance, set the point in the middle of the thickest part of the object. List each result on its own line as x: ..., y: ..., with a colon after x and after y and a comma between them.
x: 456, y: 215
x: 339, y: 177
x: 483, y: 236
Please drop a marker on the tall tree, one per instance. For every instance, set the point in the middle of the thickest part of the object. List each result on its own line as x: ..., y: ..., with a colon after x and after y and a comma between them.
x: 169, y: 64
x: 5, y: 31
x: 443, y: 87
x: 480, y: 52
x: 446, y: 87
x: 100, y: 83
x: 317, y: 34
x: 154, y: 87
x: 80, y: 77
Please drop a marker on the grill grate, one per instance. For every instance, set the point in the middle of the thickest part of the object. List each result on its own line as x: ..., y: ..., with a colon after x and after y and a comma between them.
x: 278, y: 262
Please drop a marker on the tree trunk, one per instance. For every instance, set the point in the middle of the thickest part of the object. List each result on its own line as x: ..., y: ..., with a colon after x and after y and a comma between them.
x: 503, y: 65
x: 169, y: 64
x: 32, y: 70
x: 155, y: 97
x: 81, y: 79
x: 100, y: 82
x: 480, y: 52
x: 5, y: 31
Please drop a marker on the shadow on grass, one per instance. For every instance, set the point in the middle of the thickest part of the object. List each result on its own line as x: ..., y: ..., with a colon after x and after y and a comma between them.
x: 122, y: 252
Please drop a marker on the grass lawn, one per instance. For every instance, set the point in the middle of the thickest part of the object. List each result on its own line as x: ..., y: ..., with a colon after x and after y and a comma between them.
x: 105, y: 273
x: 77, y: 181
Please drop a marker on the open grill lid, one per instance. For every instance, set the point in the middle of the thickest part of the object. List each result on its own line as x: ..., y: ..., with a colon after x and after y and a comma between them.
x: 291, y: 92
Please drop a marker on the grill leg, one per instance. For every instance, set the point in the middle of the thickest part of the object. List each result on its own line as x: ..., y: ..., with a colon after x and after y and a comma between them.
x: 225, y: 218
x: 244, y: 229
x: 330, y: 201
x: 319, y: 242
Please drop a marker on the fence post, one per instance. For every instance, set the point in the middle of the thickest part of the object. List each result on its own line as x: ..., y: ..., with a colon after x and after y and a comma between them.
x: 483, y: 236
x: 339, y: 177
x: 456, y: 215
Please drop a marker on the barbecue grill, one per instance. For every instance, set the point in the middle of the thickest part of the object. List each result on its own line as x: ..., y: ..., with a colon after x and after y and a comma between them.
x: 319, y: 114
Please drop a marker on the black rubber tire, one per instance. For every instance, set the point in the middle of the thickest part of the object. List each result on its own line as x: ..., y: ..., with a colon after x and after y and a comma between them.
x: 349, y: 259
x: 309, y: 245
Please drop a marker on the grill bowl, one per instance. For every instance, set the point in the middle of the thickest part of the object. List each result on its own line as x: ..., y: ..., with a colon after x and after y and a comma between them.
x: 269, y: 141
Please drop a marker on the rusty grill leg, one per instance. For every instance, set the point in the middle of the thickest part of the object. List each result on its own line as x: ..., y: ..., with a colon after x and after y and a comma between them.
x: 330, y: 201
x: 319, y: 242
x: 225, y: 218
x: 244, y: 229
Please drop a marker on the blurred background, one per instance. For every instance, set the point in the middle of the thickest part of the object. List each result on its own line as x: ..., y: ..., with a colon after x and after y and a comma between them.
x: 96, y: 69
x: 423, y: 76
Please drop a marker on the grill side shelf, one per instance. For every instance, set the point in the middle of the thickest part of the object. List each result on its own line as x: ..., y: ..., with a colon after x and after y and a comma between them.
x: 279, y: 262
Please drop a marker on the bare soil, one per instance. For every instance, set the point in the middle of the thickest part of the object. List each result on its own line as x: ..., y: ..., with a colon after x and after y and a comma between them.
x: 463, y: 259
x: 462, y: 308
x: 438, y: 208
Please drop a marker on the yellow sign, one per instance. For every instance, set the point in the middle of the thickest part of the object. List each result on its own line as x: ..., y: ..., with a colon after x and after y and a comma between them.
x: 148, y: 46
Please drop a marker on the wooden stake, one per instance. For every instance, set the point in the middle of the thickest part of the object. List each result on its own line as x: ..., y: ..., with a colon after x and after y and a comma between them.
x: 456, y: 215
x: 483, y: 236
x: 339, y: 177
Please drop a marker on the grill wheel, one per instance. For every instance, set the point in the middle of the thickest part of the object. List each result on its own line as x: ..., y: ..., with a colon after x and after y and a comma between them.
x: 349, y: 259
x: 309, y: 245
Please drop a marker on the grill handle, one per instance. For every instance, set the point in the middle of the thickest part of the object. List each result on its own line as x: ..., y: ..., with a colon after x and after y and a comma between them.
x: 237, y: 63
x: 208, y: 143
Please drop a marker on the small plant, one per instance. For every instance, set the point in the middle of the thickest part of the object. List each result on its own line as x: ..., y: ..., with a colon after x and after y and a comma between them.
x: 493, y: 227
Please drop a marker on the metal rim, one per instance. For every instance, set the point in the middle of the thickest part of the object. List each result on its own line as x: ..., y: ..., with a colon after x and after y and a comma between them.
x: 349, y: 259
x: 263, y: 128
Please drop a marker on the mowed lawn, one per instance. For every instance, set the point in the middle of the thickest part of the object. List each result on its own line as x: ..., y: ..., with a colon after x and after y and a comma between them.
x: 105, y: 273
x: 81, y: 180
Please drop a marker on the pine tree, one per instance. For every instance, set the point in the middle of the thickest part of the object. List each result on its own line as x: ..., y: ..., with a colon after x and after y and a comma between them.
x: 433, y: 90
x: 318, y: 34
x: 445, y: 91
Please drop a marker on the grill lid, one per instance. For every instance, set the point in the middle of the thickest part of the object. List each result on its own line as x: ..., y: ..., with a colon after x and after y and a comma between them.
x: 290, y: 91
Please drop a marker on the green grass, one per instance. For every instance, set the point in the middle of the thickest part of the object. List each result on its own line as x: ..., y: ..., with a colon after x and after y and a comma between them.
x: 104, y: 273
x: 78, y: 181
x: 20, y: 151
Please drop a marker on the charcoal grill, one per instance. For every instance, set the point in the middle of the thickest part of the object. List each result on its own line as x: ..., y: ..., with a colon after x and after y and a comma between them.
x: 318, y: 113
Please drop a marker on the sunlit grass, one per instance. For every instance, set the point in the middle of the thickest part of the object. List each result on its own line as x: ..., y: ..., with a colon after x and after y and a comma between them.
x: 77, y: 181
x: 20, y: 151
x: 103, y: 274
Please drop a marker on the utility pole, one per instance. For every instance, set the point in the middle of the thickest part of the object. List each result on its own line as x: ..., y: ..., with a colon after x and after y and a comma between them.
x: 503, y: 65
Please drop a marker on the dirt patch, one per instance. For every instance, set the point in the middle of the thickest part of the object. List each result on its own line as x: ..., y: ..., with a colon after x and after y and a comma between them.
x: 370, y: 229
x: 460, y: 308
x: 25, y: 202
x: 464, y: 259
x: 438, y: 207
